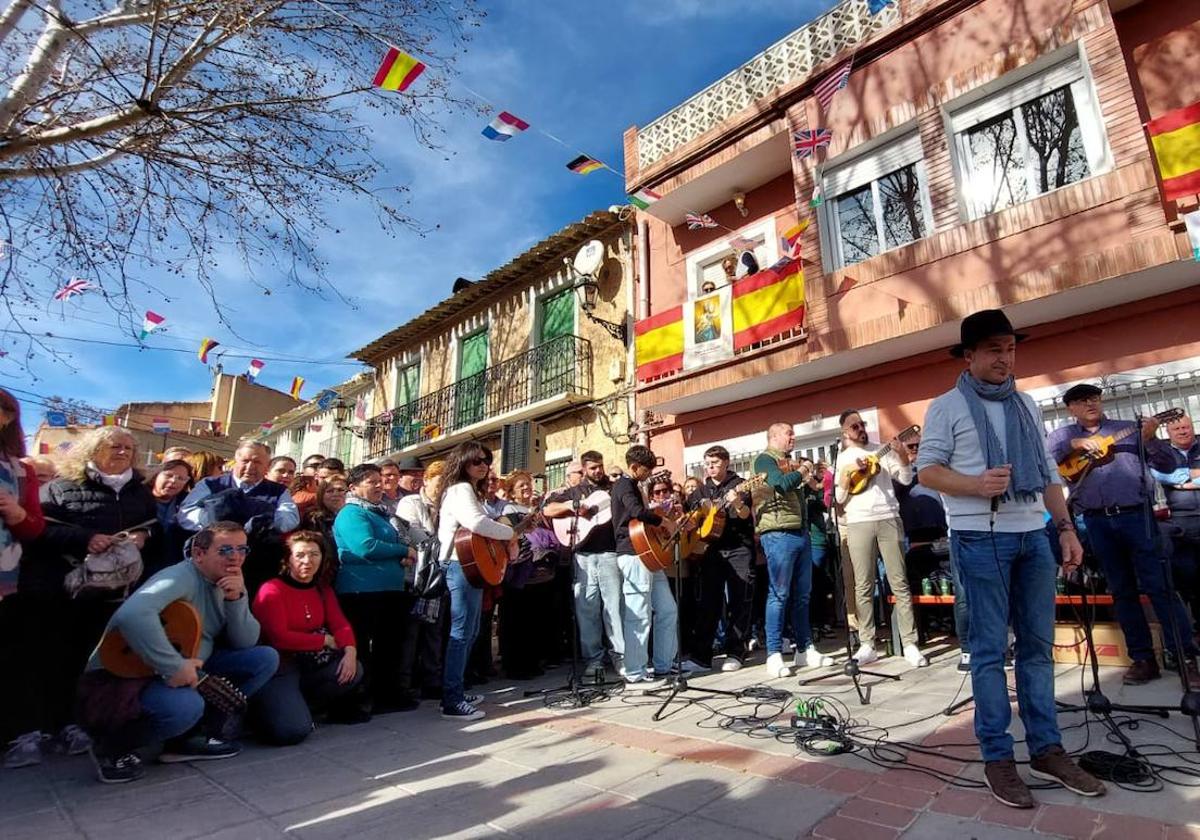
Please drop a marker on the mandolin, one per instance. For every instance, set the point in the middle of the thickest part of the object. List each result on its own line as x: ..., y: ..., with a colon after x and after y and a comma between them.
x: 861, y: 477
x: 484, y: 559
x: 1079, y: 462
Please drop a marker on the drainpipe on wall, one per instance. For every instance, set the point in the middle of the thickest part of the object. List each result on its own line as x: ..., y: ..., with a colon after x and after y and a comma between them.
x: 643, y: 312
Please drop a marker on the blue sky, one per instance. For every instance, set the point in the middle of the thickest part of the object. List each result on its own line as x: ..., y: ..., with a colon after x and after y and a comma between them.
x: 583, y: 72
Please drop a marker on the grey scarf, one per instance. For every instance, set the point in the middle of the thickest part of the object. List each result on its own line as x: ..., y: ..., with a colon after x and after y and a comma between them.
x: 1023, y: 436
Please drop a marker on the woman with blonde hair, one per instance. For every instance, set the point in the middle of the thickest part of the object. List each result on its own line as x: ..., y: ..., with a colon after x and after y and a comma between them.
x: 97, y: 501
x: 205, y: 465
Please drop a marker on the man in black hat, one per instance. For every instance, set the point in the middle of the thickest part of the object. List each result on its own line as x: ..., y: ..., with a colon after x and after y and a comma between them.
x: 982, y: 448
x: 1112, y: 498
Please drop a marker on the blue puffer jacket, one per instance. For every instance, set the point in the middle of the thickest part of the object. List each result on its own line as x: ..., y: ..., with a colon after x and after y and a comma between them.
x: 369, y: 550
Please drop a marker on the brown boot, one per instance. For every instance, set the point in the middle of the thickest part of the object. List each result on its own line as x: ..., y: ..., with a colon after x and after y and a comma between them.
x: 1006, y: 785
x: 1141, y: 672
x: 1054, y: 765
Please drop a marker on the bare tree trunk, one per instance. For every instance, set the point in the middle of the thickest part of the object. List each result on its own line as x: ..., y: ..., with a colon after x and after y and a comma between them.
x: 11, y: 16
x: 46, y: 52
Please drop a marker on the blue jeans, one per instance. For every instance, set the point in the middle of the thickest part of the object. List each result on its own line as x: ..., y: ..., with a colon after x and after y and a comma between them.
x: 1132, y: 564
x: 466, y: 602
x: 598, y: 606
x: 647, y: 595
x: 962, y: 610
x: 171, y: 712
x: 789, y: 584
x: 1009, y: 578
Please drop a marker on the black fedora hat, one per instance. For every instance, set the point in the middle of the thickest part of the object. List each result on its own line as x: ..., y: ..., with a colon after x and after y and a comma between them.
x: 409, y: 463
x: 983, y: 325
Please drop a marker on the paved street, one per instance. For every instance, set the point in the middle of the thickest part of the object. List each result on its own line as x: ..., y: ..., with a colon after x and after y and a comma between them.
x: 603, y: 771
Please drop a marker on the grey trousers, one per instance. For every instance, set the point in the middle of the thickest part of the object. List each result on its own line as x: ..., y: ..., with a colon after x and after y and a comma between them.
x: 867, y: 540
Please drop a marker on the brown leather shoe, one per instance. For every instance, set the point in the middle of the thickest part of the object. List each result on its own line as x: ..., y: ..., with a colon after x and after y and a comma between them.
x: 1193, y: 675
x: 1054, y: 765
x: 1006, y: 785
x: 1141, y: 672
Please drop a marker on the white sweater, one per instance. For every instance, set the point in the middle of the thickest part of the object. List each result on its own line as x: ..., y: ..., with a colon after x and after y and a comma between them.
x: 878, y: 502
x: 415, y: 510
x: 461, y: 508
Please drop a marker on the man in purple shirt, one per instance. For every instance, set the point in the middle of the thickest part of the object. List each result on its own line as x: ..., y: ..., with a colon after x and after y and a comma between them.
x: 1111, y: 497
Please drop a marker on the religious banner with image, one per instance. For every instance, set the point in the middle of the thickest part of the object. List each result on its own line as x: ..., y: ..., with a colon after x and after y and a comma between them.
x: 708, y: 329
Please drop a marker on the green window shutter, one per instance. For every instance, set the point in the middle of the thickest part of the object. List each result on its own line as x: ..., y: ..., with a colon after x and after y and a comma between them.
x: 558, y: 316
x: 471, y: 390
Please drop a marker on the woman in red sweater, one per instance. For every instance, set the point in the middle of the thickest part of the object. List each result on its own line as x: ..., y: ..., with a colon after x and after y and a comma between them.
x: 318, y: 661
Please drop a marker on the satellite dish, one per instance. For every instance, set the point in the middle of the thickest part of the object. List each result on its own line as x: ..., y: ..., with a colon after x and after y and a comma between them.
x: 589, y: 258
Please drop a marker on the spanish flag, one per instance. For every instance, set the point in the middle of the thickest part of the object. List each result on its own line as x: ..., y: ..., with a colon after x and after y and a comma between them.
x: 398, y: 71
x: 297, y: 387
x: 764, y: 305
x: 206, y: 345
x: 1175, y: 137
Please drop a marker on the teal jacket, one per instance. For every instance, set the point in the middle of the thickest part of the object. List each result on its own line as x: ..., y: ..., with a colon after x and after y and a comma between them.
x: 369, y: 550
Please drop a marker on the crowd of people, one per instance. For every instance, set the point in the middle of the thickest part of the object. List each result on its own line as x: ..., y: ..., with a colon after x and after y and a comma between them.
x: 326, y: 593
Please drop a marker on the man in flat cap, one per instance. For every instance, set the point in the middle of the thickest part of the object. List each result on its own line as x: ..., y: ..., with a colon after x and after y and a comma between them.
x: 1112, y: 496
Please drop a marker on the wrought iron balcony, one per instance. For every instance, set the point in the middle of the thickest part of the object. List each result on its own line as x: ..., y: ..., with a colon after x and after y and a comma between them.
x: 561, y: 366
x: 783, y: 63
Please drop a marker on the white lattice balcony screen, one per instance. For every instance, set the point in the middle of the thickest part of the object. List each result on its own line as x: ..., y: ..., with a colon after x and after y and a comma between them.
x: 784, y: 62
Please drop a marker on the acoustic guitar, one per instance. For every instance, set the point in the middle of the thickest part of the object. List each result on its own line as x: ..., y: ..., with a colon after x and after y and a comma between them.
x: 716, y: 511
x: 1079, y: 462
x: 582, y: 526
x: 181, y: 624
x: 483, y: 559
x: 860, y: 477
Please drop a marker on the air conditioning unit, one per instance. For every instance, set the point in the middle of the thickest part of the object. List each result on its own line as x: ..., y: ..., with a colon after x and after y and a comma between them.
x: 516, y: 444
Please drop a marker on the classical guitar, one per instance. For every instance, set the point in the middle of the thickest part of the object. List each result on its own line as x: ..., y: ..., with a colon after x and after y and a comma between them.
x: 655, y: 544
x: 1079, y: 462
x: 181, y: 624
x: 860, y: 477
x: 582, y: 526
x: 484, y: 559
x: 716, y: 511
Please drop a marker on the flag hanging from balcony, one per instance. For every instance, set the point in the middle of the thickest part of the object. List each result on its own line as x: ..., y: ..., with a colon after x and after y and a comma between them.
x: 806, y: 143
x: 360, y: 409
x: 877, y: 6
x: 584, y: 165
x: 831, y: 84
x: 206, y: 345
x: 326, y: 398
x: 504, y: 127
x: 160, y: 425
x: 763, y: 305
x: 1175, y: 137
x: 790, y: 240
x: 150, y: 323
x: 74, y: 286
x: 699, y: 221
x: 254, y: 369
x: 297, y: 387
x: 398, y: 71
x: 643, y: 198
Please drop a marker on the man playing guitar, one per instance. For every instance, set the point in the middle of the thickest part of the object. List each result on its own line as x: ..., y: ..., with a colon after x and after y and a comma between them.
x: 727, y: 567
x: 597, y: 576
x: 171, y: 707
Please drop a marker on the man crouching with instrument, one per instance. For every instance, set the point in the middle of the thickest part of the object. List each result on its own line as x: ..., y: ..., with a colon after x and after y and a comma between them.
x: 159, y: 677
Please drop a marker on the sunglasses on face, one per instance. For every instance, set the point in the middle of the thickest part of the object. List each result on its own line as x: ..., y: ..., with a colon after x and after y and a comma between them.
x: 479, y: 462
x: 661, y: 491
x: 230, y: 550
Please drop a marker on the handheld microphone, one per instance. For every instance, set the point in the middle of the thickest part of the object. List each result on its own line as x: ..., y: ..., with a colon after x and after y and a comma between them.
x: 995, y: 508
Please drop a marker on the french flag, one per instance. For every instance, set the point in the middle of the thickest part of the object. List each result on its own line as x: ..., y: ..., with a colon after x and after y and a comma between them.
x: 504, y: 126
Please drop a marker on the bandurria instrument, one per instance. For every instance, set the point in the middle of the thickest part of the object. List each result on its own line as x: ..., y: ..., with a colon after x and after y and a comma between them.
x: 181, y: 624
x: 484, y: 559
x: 860, y: 477
x: 1079, y: 462
x: 583, y: 526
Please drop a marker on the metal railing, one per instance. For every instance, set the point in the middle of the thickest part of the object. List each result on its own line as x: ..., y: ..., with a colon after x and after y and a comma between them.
x: 1125, y: 397
x: 561, y: 365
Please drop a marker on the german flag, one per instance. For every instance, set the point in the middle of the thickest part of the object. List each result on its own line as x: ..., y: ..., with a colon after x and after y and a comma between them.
x: 1175, y: 137
x: 583, y: 164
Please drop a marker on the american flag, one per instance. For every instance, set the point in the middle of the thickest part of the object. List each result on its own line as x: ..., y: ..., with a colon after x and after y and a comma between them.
x: 695, y: 222
x: 75, y: 286
x: 806, y: 143
x: 831, y: 84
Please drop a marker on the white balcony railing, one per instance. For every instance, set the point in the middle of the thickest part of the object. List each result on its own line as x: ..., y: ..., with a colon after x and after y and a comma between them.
x: 784, y: 62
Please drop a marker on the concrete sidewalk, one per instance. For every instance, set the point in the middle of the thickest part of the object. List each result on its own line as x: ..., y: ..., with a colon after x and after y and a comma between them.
x: 606, y: 771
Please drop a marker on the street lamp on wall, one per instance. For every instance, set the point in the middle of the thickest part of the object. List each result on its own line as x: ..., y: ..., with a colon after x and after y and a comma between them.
x: 585, y: 267
x: 343, y: 418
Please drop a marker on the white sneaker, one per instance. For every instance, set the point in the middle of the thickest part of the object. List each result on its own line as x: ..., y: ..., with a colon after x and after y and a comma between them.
x: 776, y: 669
x: 691, y: 666
x: 731, y: 663
x: 754, y: 644
x: 74, y: 741
x: 914, y: 656
x: 810, y: 657
x: 865, y: 655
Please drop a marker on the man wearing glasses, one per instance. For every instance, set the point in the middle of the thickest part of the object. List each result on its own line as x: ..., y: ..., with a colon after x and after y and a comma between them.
x: 171, y: 708
x: 873, y: 528
x: 1112, y: 498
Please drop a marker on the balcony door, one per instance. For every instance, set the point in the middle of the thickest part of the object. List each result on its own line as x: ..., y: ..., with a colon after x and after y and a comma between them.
x: 555, y: 361
x: 471, y: 390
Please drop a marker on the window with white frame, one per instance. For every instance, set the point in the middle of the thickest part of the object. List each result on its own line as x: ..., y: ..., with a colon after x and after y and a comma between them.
x: 878, y: 200
x: 1035, y: 134
x: 705, y: 265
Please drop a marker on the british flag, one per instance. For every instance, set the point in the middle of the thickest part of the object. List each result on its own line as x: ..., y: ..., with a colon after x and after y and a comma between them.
x: 697, y: 222
x: 806, y: 143
x: 75, y: 286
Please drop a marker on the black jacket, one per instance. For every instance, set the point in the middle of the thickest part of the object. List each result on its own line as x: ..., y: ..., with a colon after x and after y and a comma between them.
x: 627, y: 504
x: 738, y: 533
x: 83, y: 509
